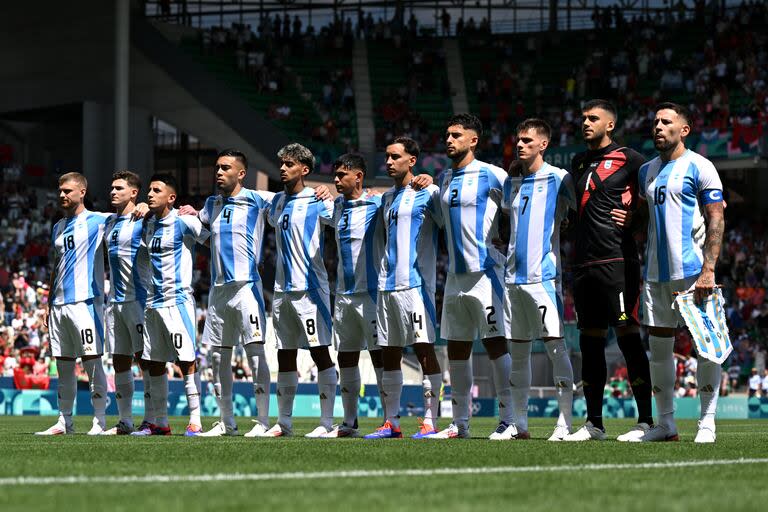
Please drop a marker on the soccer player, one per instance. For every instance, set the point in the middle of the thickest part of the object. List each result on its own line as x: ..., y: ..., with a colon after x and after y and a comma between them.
x: 405, y: 307
x: 170, y: 314
x: 473, y: 307
x: 129, y: 275
x: 682, y: 189
x: 75, y: 317
x: 301, y: 310
x: 538, y: 204
x: 607, y: 268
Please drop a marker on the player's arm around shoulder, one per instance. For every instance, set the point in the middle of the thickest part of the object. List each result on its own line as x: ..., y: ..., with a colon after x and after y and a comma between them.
x: 194, y: 228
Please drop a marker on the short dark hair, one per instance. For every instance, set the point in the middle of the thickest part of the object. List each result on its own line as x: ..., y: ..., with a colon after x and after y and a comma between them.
x: 350, y: 161
x: 679, y: 110
x: 411, y: 146
x: 539, y: 125
x: 601, y: 104
x: 301, y: 154
x: 237, y: 155
x: 131, y: 178
x: 166, y: 178
x: 468, y: 122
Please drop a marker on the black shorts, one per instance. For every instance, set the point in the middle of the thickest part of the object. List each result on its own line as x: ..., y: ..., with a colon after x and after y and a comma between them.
x: 607, y: 294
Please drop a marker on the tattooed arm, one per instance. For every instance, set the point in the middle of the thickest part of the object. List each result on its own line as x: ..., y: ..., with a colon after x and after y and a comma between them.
x: 712, y: 242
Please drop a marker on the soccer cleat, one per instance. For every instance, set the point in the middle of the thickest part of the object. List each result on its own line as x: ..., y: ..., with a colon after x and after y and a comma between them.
x: 121, y: 429
x: 342, y: 430
x: 425, y: 430
x: 659, y: 433
x: 451, y: 432
x: 145, y: 429
x: 386, y: 431
x: 277, y: 430
x: 508, y: 431
x: 98, y: 428
x: 559, y: 433
x: 319, y: 432
x: 706, y: 434
x: 220, y: 429
x: 153, y: 430
x: 258, y: 429
x: 635, y: 433
x: 61, y: 427
x: 588, y: 432
x: 193, y: 430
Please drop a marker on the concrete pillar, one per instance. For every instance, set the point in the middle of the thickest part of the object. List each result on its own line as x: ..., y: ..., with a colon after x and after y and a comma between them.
x: 122, y: 81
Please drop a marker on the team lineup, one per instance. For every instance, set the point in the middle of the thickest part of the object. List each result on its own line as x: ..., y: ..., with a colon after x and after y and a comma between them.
x: 502, y: 230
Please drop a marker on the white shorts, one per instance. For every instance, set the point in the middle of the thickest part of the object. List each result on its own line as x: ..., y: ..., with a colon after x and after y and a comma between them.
x: 405, y: 317
x: 473, y: 306
x: 302, y: 319
x: 534, y: 311
x: 354, y: 323
x: 125, y: 328
x: 170, y: 333
x: 235, y: 315
x: 77, y: 329
x: 658, y: 299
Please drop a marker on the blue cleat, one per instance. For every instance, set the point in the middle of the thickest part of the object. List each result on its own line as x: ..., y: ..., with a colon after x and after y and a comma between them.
x: 386, y: 431
x: 424, y: 430
x: 193, y: 430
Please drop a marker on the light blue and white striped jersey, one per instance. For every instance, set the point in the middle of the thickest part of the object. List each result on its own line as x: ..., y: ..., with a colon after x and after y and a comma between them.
x: 411, y: 247
x: 676, y: 192
x: 78, y: 245
x: 469, y: 201
x: 171, y: 244
x: 128, y: 259
x: 237, y: 232
x: 298, y: 220
x: 360, y: 242
x: 537, y: 204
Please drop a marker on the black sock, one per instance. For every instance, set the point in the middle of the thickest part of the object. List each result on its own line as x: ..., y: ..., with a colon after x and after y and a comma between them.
x: 593, y: 376
x: 639, y: 373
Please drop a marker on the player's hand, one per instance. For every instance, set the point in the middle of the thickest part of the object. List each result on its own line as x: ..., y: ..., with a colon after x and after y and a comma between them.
x: 140, y: 211
x: 187, y: 210
x: 499, y: 244
x: 621, y: 217
x: 421, y: 181
x: 322, y: 193
x: 705, y: 284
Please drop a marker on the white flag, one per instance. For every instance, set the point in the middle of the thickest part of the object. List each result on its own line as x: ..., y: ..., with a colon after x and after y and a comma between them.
x: 707, y: 325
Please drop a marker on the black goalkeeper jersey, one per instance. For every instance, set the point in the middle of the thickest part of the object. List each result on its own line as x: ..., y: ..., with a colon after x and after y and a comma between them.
x: 605, y: 179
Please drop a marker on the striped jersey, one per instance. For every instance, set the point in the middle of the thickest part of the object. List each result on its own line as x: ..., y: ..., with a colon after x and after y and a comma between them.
x: 537, y: 204
x: 128, y: 259
x: 79, y: 251
x: 411, y: 238
x: 676, y: 192
x: 237, y: 232
x: 171, y: 245
x: 360, y: 243
x: 298, y: 220
x: 469, y: 200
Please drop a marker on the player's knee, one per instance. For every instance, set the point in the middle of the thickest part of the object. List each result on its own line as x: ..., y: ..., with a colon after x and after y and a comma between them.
x: 459, y: 350
x: 661, y: 332
x: 348, y: 359
x: 495, y: 347
x: 376, y: 358
x: 322, y: 358
x: 596, y: 332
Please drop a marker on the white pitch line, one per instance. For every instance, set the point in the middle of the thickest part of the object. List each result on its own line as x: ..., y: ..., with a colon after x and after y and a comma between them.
x: 361, y: 473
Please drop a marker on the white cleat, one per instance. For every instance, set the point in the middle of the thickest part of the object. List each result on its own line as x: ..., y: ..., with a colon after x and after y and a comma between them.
x: 220, y: 429
x: 706, y: 434
x: 508, y: 432
x: 588, y: 432
x: 121, y: 429
x: 659, y: 434
x: 560, y: 433
x: 98, y: 427
x: 319, y: 432
x: 258, y: 429
x: 277, y: 430
x: 635, y: 433
x: 61, y: 427
x: 342, y: 430
x: 451, y: 432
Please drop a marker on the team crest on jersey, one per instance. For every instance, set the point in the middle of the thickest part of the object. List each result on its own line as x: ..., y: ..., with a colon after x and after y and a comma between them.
x: 407, y: 201
x: 608, y: 164
x: 540, y: 189
x: 470, y: 182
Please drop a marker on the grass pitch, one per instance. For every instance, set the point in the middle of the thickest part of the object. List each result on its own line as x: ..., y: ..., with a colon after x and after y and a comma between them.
x: 178, y: 473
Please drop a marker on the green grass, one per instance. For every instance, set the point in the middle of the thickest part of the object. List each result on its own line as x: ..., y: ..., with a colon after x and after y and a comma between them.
x: 731, y: 487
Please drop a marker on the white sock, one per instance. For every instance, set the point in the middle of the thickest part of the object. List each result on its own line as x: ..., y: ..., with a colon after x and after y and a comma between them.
x: 392, y: 384
x: 502, y: 368
x: 326, y: 384
x: 662, y: 365
x: 124, y: 396
x: 193, y: 398
x: 67, y: 388
x: 563, y: 379
x: 431, y: 385
x: 708, y: 375
x: 160, y: 399
x: 257, y: 360
x: 286, y: 392
x: 221, y: 364
x: 520, y: 380
x: 97, y: 381
x: 349, y: 381
x: 149, y: 411
x: 461, y: 390
x: 379, y: 376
